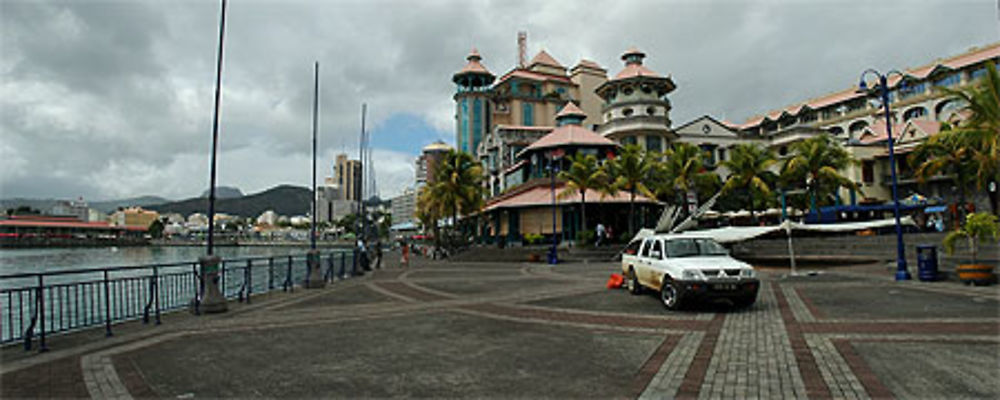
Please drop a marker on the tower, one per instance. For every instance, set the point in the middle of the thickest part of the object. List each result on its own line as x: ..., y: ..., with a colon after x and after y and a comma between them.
x: 636, y: 109
x: 471, y: 103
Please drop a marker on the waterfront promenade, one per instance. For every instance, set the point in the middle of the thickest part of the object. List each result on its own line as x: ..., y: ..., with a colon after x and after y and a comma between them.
x: 514, y: 330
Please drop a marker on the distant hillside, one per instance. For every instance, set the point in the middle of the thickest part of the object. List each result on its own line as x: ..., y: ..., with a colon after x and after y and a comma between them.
x: 284, y: 200
x: 44, y: 205
x: 224, y: 192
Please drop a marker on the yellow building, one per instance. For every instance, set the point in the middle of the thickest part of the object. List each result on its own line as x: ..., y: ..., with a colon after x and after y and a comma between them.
x: 133, y: 217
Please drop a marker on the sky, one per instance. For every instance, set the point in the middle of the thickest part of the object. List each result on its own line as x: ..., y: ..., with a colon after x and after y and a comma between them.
x: 113, y: 99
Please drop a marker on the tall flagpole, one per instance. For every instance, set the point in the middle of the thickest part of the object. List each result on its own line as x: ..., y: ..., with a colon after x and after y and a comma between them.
x: 312, y: 233
x: 215, y: 130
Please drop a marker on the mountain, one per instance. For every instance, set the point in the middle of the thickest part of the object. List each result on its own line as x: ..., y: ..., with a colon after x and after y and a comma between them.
x: 224, y: 192
x: 44, y: 205
x: 284, y: 200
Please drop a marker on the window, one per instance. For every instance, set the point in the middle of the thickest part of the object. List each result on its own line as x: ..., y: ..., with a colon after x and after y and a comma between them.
x: 915, y: 112
x: 629, y: 140
x: 910, y: 90
x: 657, y: 249
x: 694, y: 247
x: 977, y: 73
x: 477, y: 122
x: 527, y: 114
x: 948, y: 80
x: 627, y: 91
x: 722, y: 154
x: 857, y: 127
x: 650, y: 110
x: 633, y: 248
x: 645, y: 248
x: 808, y: 117
x: 628, y: 112
x: 868, y: 171
x: 709, y: 155
x: 653, y: 143
x: 646, y: 89
x: 464, y: 130
x: 607, y: 117
x: 783, y: 151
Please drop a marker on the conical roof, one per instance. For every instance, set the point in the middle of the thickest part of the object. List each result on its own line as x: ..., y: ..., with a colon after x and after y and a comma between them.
x: 473, y: 67
x: 571, y: 110
x: 544, y: 58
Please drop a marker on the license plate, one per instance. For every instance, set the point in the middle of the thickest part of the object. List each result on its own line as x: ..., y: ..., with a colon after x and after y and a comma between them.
x: 724, y: 286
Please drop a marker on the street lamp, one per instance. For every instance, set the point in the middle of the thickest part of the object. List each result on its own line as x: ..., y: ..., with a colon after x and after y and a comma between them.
x: 553, y: 170
x: 902, y: 274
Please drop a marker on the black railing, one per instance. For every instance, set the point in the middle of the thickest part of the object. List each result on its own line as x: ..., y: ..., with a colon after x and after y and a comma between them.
x: 34, y: 305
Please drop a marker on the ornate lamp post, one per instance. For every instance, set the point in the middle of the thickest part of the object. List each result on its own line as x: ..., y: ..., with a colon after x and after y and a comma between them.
x: 555, y: 155
x: 902, y: 273
x: 314, y: 277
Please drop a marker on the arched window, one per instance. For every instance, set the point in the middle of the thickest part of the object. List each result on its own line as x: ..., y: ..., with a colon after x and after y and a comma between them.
x: 651, y: 110
x: 627, y: 112
x: 915, y: 112
x: 946, y: 107
x: 836, y: 131
x: 856, y: 127
x: 627, y: 91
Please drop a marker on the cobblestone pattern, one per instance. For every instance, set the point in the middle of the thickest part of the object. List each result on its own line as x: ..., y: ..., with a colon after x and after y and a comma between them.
x: 667, y: 380
x: 836, y: 372
x: 753, y: 357
x: 797, y: 306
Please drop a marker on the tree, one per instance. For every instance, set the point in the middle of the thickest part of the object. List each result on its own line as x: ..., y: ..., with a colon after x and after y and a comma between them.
x: 749, y: 167
x: 817, y: 161
x: 584, y: 173
x: 457, y: 187
x: 683, y: 171
x: 981, y: 131
x: 946, y: 152
x: 632, y: 169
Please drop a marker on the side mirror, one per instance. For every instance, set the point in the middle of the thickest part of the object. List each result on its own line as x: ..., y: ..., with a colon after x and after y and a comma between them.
x: 656, y: 254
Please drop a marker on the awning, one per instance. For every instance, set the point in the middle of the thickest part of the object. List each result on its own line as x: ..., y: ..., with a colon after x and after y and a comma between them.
x: 936, y: 209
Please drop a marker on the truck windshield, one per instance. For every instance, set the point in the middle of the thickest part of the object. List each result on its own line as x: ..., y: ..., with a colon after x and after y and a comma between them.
x: 694, y: 247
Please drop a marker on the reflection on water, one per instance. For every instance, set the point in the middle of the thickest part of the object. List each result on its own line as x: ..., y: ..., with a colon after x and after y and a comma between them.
x: 14, y: 261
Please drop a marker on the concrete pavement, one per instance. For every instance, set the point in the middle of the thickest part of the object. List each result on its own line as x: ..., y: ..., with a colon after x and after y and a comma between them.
x: 511, y: 330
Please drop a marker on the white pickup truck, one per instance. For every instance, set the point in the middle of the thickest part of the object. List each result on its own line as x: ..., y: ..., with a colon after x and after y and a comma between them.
x: 685, y: 268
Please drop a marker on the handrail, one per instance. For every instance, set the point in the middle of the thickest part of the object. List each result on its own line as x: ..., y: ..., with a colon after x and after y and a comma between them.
x: 36, y: 306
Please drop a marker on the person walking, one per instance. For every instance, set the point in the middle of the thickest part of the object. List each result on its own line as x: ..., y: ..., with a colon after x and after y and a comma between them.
x: 362, y: 257
x: 378, y: 254
x: 405, y: 260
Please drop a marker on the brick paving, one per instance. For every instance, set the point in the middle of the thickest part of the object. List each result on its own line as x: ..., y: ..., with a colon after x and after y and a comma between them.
x: 800, y: 340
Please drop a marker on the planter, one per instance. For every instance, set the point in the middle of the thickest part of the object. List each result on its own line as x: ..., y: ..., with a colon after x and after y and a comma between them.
x: 976, y: 274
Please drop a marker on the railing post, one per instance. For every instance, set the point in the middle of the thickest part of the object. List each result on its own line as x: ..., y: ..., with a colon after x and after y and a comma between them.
x: 107, y: 305
x: 270, y: 274
x: 41, y: 298
x: 343, y: 264
x: 249, y: 279
x: 289, y: 286
x: 156, y: 293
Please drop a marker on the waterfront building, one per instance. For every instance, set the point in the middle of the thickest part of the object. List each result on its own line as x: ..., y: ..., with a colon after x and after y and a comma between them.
x: 636, y: 109
x: 43, y: 230
x: 715, y: 138
x: 330, y: 203
x: 527, y: 209
x: 136, y: 217
x: 75, y: 208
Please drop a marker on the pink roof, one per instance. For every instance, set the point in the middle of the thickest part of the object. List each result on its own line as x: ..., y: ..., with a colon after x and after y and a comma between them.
x: 570, y: 135
x: 634, y: 70
x: 535, y: 76
x: 542, y: 196
x: 632, y: 50
x: 956, y: 62
x: 879, y: 132
x: 590, y: 64
x: 570, y: 109
x: 544, y: 58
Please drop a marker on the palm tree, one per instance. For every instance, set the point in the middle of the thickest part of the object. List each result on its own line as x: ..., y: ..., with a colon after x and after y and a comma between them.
x: 749, y: 167
x: 818, y: 162
x: 584, y: 173
x: 457, y: 185
x: 683, y: 171
x: 946, y: 152
x: 981, y: 131
x: 631, y: 168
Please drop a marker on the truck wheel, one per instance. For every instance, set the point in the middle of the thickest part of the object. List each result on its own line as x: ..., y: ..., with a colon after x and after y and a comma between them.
x: 634, y: 287
x: 669, y: 295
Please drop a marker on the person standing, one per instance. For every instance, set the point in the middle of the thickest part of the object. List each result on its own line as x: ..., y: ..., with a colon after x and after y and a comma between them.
x: 405, y: 260
x: 600, y: 234
x: 363, y: 256
x: 378, y: 254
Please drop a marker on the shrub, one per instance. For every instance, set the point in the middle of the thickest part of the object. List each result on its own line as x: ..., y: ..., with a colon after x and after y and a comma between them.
x: 533, y: 238
x: 585, y: 238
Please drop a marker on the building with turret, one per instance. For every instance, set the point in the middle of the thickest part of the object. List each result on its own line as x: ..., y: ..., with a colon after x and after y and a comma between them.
x: 636, y: 109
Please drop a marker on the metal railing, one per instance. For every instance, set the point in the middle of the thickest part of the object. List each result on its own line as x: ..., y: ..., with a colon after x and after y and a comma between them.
x: 34, y: 305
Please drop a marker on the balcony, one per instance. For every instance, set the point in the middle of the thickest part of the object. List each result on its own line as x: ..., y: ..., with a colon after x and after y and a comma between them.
x: 635, y: 123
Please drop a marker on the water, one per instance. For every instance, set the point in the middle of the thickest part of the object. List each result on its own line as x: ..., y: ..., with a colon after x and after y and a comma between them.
x: 14, y: 261
x: 78, y: 294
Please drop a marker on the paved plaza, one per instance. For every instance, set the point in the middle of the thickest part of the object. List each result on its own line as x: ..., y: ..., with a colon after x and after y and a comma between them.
x: 517, y: 330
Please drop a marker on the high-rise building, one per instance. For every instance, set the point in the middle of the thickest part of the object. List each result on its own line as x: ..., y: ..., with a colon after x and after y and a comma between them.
x: 348, y: 177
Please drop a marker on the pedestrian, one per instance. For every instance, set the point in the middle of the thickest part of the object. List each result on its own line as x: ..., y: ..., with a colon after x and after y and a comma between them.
x: 378, y: 254
x: 405, y: 260
x: 363, y: 256
x: 600, y: 234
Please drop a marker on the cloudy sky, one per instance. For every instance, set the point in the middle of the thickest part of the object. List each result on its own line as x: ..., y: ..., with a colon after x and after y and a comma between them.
x: 111, y: 99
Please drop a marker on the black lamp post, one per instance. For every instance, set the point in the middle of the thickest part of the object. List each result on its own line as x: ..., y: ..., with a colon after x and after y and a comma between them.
x: 902, y: 273
x: 553, y: 170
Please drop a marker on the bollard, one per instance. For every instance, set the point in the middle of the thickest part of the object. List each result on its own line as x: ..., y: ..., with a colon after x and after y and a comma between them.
x: 212, y: 300
x: 314, y: 277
